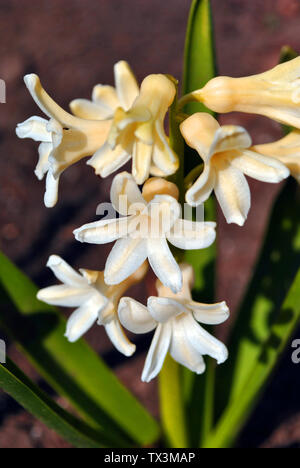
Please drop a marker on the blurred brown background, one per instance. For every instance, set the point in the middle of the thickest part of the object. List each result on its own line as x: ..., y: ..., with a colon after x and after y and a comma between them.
x: 72, y: 45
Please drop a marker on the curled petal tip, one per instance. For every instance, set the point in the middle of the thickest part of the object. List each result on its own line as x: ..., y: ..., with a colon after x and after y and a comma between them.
x: 53, y: 260
x: 78, y: 234
x: 31, y: 80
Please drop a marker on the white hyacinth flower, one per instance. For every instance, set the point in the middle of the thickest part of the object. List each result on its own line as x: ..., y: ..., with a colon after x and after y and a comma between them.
x: 65, y: 139
x: 228, y: 157
x: 150, y: 219
x: 174, y: 318
x: 95, y: 301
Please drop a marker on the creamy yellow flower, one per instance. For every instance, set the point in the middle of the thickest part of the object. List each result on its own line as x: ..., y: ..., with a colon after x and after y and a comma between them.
x: 65, y: 139
x: 174, y: 318
x: 275, y: 93
x: 227, y: 156
x: 93, y: 297
x: 140, y: 130
x: 286, y: 150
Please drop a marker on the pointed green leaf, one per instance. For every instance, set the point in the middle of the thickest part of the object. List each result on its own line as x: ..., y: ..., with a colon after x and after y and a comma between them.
x: 273, y: 275
x: 73, y: 370
x: 241, y: 406
x: 27, y: 394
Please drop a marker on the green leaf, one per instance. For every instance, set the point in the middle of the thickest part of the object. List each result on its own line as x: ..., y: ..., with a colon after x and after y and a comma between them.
x: 73, y: 370
x: 27, y: 394
x: 199, y: 57
x: 278, y: 264
x: 241, y: 406
x: 199, y: 68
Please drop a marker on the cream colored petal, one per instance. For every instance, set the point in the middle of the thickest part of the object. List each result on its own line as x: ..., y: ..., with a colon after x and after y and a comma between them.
x: 163, y: 156
x: 126, y: 84
x: 199, y: 131
x: 81, y: 320
x: 43, y: 164
x: 233, y: 194
x: 229, y: 137
x: 65, y: 273
x: 260, y: 167
x: 124, y: 193
x: 104, y: 231
x: 164, y: 264
x: 35, y: 128
x: 106, y: 161
x: 157, y: 94
x: 162, y: 309
x: 209, y: 314
x: 86, y: 109
x: 190, y: 235
x: 135, y: 316
x: 46, y: 103
x: 286, y: 150
x: 141, y: 160
x: 202, y: 341
x: 157, y: 352
x: 65, y: 296
x: 126, y: 257
x: 106, y: 97
x: 182, y: 350
x: 51, y: 193
x: 118, y: 338
x: 202, y: 188
x: 164, y: 211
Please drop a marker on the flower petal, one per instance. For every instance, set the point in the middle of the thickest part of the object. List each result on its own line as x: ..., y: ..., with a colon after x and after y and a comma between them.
x: 126, y: 84
x: 35, y: 128
x: 260, y: 167
x: 191, y: 235
x: 81, y: 320
x: 164, y: 264
x: 135, y: 316
x: 118, y: 338
x: 164, y: 308
x: 201, y: 340
x: 126, y: 257
x: 230, y: 137
x: 51, y: 193
x: 182, y: 350
x: 209, y: 314
x: 163, y: 156
x: 233, y: 194
x: 65, y: 296
x: 43, y: 164
x: 106, y: 161
x: 65, y: 273
x: 157, y: 352
x: 86, y: 109
x: 124, y: 193
x: 141, y: 161
x: 105, y: 230
x: 199, y: 131
x: 106, y: 98
x: 202, y: 188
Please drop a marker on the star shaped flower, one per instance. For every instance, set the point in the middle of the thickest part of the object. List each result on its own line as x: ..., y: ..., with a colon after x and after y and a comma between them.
x: 94, y: 299
x: 175, y: 317
x: 227, y: 155
x: 65, y: 139
x: 150, y: 219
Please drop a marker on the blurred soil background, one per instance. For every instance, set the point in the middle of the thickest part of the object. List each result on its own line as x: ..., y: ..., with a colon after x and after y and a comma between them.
x: 72, y: 45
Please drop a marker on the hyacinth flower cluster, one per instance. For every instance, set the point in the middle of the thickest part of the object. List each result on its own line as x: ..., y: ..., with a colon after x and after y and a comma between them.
x: 127, y: 123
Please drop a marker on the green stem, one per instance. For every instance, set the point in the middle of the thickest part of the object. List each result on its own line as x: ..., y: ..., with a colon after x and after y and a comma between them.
x: 170, y: 388
x: 171, y: 405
